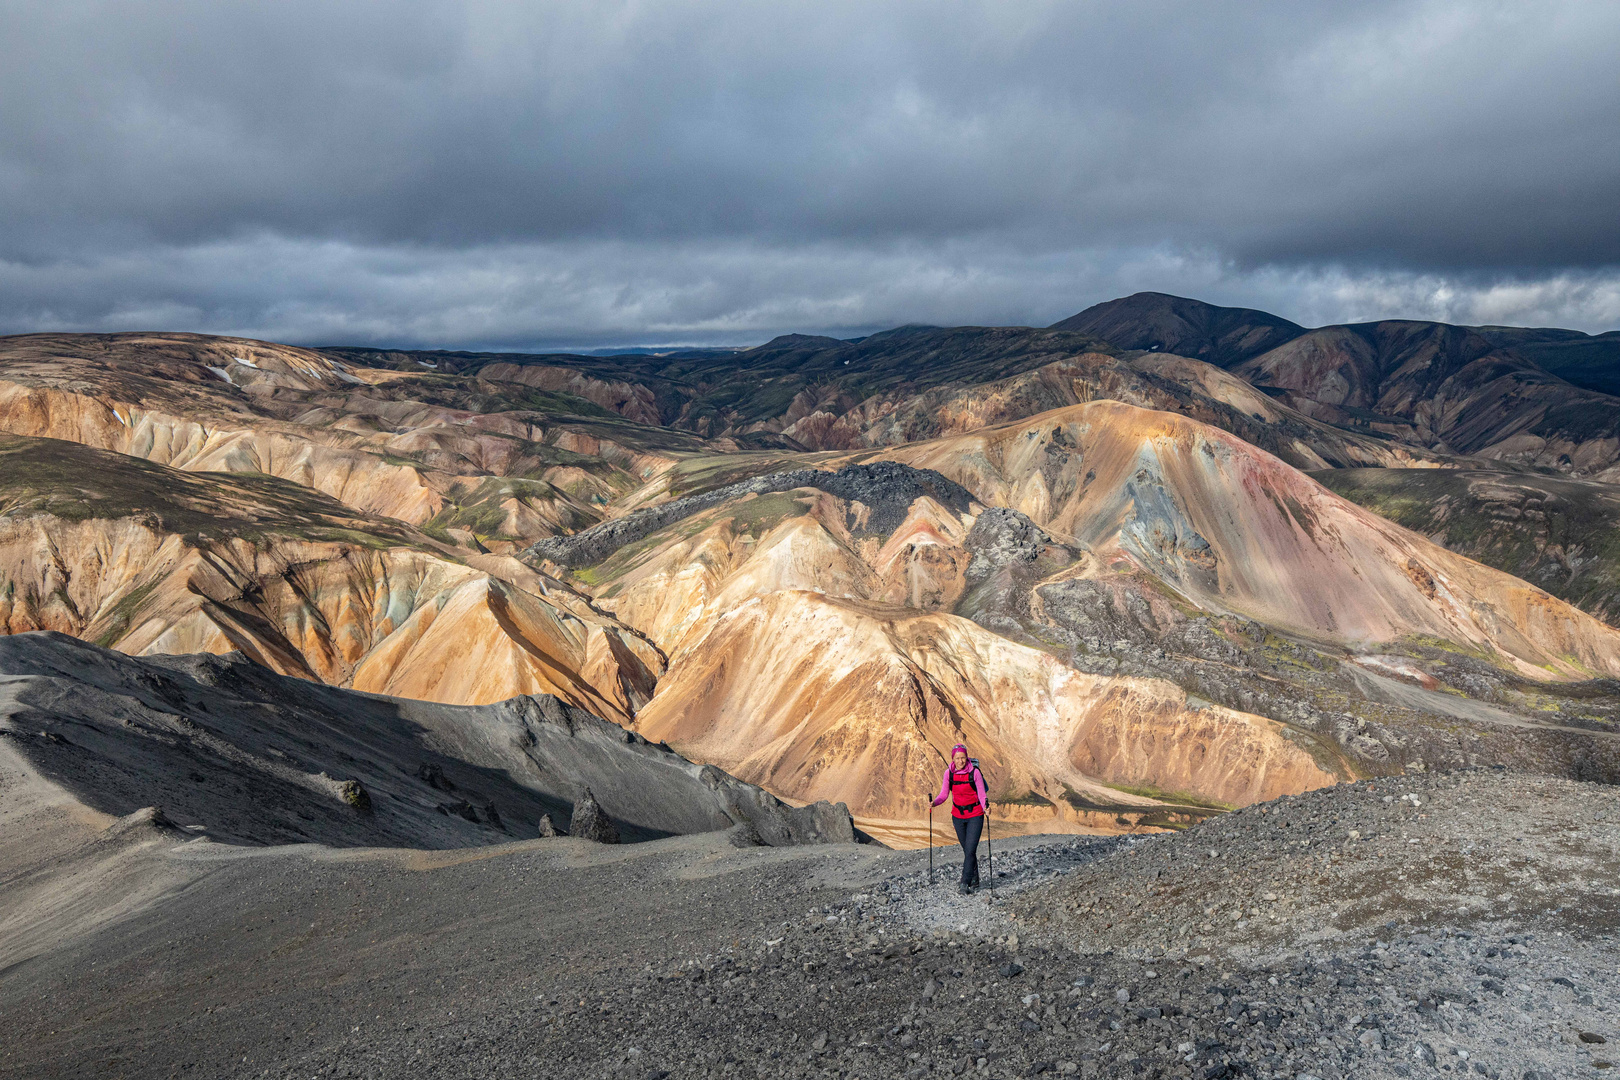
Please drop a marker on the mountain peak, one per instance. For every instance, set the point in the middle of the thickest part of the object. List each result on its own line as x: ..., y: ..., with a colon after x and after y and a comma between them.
x: 801, y: 341
x: 1160, y: 322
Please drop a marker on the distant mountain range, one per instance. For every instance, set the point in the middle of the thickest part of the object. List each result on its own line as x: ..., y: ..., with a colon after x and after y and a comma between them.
x: 1226, y: 337
x: 1535, y: 397
x: 1431, y: 388
x: 1156, y: 560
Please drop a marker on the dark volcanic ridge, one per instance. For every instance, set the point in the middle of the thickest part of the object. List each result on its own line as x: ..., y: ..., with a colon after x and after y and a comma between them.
x: 227, y: 749
x: 1226, y: 336
x: 1159, y: 322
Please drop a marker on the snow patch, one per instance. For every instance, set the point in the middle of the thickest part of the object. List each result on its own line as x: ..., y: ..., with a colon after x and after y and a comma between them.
x: 221, y: 372
x: 244, y: 361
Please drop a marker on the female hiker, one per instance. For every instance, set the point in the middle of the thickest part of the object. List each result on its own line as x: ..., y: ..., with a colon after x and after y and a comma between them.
x: 964, y: 787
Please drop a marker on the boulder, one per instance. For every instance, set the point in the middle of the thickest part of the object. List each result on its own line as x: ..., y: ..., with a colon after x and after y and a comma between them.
x: 591, y: 822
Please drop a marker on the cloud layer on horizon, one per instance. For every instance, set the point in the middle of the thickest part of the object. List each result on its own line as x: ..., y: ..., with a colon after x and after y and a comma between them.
x: 464, y: 174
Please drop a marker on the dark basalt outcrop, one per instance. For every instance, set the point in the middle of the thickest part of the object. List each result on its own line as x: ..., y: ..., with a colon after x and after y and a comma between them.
x: 591, y: 822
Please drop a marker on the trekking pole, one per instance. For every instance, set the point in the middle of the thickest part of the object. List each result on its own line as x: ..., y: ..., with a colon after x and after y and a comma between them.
x: 992, y: 845
x: 930, y: 844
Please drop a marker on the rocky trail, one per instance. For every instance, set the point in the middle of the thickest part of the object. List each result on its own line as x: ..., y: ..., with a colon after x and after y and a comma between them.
x: 1219, y: 952
x: 1191, y: 979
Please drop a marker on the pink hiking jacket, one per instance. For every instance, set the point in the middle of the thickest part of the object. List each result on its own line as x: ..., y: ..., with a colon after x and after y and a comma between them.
x: 968, y: 781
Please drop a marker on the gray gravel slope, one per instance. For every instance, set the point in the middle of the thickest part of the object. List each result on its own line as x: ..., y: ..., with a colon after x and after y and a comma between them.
x: 687, y: 957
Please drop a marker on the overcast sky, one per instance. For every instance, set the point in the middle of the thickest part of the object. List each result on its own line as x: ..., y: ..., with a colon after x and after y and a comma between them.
x: 523, y: 174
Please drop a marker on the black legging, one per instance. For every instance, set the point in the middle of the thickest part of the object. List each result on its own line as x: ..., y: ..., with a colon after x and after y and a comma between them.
x: 967, y: 834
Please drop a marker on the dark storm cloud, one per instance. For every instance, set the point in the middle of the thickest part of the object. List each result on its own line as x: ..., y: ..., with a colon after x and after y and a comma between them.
x: 514, y: 173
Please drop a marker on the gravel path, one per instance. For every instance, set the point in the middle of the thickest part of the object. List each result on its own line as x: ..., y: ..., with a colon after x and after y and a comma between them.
x: 1021, y: 864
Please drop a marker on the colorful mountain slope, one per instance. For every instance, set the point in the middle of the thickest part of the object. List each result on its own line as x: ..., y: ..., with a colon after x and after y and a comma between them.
x: 480, y: 464
x: 151, y: 560
x: 1230, y: 527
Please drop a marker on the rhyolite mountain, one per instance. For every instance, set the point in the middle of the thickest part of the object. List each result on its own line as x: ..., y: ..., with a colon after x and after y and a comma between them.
x: 1125, y: 574
x: 149, y: 559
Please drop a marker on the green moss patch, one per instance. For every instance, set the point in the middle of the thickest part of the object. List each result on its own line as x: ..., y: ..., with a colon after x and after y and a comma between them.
x: 1559, y: 534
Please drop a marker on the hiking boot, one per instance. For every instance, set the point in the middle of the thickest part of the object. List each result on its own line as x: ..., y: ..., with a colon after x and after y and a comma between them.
x: 963, y: 889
